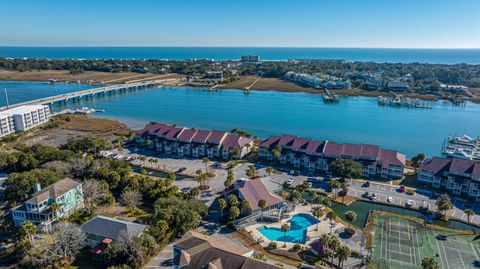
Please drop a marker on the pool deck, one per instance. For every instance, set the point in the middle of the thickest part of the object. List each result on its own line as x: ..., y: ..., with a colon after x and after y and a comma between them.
x: 312, y: 233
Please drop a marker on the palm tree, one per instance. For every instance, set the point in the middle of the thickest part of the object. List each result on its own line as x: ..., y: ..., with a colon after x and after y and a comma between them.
x: 244, y: 205
x: 269, y: 171
x: 28, y: 229
x: 276, y: 153
x: 205, y: 161
x: 324, y: 241
x: 331, y: 215
x: 262, y: 204
x: 222, y: 204
x: 469, y: 214
x: 318, y: 213
x: 201, y: 179
x: 285, y: 228
x: 334, y: 245
x: 54, y: 208
x: 430, y: 263
x: 342, y: 255
x: 350, y: 216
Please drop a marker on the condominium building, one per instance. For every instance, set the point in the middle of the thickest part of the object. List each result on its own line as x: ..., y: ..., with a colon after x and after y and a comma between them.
x: 460, y: 176
x: 7, y: 125
x: 66, y: 193
x: 185, y: 142
x: 318, y: 155
x: 23, y: 118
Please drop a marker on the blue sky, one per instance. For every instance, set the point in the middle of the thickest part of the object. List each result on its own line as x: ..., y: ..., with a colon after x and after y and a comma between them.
x: 299, y: 23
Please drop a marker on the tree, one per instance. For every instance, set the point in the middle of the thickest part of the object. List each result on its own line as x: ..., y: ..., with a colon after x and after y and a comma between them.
x: 469, y: 214
x: 444, y: 203
x: 244, y: 206
x: 54, y: 209
x: 262, y: 204
x: 276, y: 153
x: 28, y: 230
x: 333, y: 245
x: 418, y: 159
x: 334, y: 185
x: 234, y: 212
x: 285, y: 228
x: 125, y: 250
x: 318, y: 213
x: 131, y: 198
x: 181, y: 215
x: 251, y: 171
x: 324, y: 240
x: 221, y: 204
x: 269, y: 171
x: 93, y: 191
x: 234, y: 153
x: 430, y: 263
x: 69, y: 239
x: 331, y: 215
x: 205, y: 161
x: 201, y: 179
x: 346, y: 168
x: 350, y: 216
x: 342, y: 255
x: 232, y: 200
x: 230, y: 179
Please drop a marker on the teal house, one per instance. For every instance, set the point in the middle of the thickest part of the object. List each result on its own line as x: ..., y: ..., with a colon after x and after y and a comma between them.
x: 66, y: 194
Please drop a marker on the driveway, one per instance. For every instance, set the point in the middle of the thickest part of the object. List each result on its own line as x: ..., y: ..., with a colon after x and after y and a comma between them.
x: 164, y: 259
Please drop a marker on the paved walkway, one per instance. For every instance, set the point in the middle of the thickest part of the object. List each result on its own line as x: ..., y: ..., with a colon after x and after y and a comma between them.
x: 164, y: 259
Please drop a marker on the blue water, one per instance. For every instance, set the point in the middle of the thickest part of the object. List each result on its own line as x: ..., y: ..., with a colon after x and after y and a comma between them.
x: 297, y: 233
x: 24, y: 91
x: 264, y: 113
x: 446, y: 56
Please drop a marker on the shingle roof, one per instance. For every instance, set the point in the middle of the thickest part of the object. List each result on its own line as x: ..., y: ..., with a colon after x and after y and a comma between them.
x: 216, y: 137
x: 173, y: 132
x: 151, y: 127
x: 201, y: 136
x: 112, y: 228
x: 186, y: 135
x: 253, y: 191
x: 201, y: 252
x: 55, y: 190
x: 270, y: 142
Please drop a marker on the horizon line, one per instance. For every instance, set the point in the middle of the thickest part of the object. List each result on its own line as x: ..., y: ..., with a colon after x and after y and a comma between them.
x: 216, y: 46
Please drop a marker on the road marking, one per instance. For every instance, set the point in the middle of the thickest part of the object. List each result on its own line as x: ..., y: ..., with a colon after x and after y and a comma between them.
x: 461, y: 259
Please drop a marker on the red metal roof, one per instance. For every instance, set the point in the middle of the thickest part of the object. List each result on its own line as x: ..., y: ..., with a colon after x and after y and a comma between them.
x: 173, y: 132
x: 186, y: 135
x: 201, y: 136
x: 216, y: 137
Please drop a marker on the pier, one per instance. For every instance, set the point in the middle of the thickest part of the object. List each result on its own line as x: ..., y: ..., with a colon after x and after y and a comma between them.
x: 96, y: 92
x: 329, y: 97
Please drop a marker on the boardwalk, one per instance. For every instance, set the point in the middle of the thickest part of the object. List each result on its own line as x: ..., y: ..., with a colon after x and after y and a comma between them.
x: 102, y: 91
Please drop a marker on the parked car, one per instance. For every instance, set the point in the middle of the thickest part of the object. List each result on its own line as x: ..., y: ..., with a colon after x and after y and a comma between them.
x: 373, y: 197
x: 409, y: 203
x: 182, y: 169
x: 366, y: 184
x: 291, y: 172
x: 309, y: 184
x: 366, y: 195
x: 402, y: 189
x: 289, y: 182
x: 390, y: 199
x: 296, y: 173
x: 434, y: 195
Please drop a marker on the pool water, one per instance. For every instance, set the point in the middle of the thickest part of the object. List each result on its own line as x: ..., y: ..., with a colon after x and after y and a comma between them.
x: 297, y: 233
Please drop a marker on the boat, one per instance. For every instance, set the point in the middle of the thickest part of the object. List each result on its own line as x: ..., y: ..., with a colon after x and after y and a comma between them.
x: 464, y: 147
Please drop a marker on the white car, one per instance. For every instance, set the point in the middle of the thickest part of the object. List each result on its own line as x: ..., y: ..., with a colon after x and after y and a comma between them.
x: 373, y: 197
x: 390, y: 199
x: 289, y: 182
x: 410, y: 203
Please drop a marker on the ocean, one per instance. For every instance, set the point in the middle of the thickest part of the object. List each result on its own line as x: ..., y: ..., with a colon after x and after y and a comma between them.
x: 440, y: 56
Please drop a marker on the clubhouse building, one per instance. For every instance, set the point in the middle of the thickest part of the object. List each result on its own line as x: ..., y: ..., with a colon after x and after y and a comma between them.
x: 318, y: 155
x: 460, y: 176
x: 185, y: 142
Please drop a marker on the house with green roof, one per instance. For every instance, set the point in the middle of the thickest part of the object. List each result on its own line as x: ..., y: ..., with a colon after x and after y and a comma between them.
x: 67, y: 194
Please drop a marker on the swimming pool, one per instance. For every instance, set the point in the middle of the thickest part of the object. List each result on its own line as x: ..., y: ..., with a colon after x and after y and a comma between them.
x: 298, y: 229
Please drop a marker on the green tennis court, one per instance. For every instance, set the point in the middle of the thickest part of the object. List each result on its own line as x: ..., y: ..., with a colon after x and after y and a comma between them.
x: 402, y: 243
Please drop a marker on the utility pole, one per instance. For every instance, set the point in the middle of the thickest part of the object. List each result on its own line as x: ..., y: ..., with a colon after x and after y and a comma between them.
x: 6, y: 98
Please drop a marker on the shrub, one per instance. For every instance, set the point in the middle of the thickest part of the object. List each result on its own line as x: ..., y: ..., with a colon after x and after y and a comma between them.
x: 356, y: 254
x: 349, y: 231
x: 272, y: 245
x: 296, y: 247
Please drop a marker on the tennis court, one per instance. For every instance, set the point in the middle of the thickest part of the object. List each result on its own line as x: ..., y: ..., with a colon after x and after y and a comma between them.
x: 402, y: 243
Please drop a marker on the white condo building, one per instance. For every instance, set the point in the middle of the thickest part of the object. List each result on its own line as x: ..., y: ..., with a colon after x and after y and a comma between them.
x: 23, y: 118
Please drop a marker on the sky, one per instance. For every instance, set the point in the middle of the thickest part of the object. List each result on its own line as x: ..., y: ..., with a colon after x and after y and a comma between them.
x: 242, y: 23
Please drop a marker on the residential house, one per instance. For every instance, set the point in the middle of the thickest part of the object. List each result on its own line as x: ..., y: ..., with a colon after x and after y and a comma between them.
x: 66, y: 193
x: 197, y: 251
x: 457, y: 175
x: 102, y: 231
x: 318, y: 155
x: 185, y: 142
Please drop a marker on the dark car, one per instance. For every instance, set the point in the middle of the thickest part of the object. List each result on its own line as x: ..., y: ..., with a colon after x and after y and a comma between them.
x: 296, y: 173
x: 366, y: 184
x: 402, y: 189
x: 434, y: 195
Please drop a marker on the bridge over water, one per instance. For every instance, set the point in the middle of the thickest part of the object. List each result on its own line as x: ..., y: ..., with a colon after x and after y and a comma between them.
x: 102, y: 91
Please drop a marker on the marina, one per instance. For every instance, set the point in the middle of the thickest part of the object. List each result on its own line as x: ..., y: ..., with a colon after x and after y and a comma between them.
x: 399, y: 101
x: 462, y: 147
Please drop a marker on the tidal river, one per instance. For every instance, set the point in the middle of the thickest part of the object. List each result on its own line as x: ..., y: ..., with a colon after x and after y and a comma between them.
x: 354, y: 120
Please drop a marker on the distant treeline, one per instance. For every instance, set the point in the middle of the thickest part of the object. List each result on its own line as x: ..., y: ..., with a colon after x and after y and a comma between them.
x: 422, y: 75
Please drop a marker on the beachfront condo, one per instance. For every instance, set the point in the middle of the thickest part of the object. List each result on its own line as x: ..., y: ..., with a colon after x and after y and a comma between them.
x: 457, y: 175
x: 316, y: 156
x: 185, y: 142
